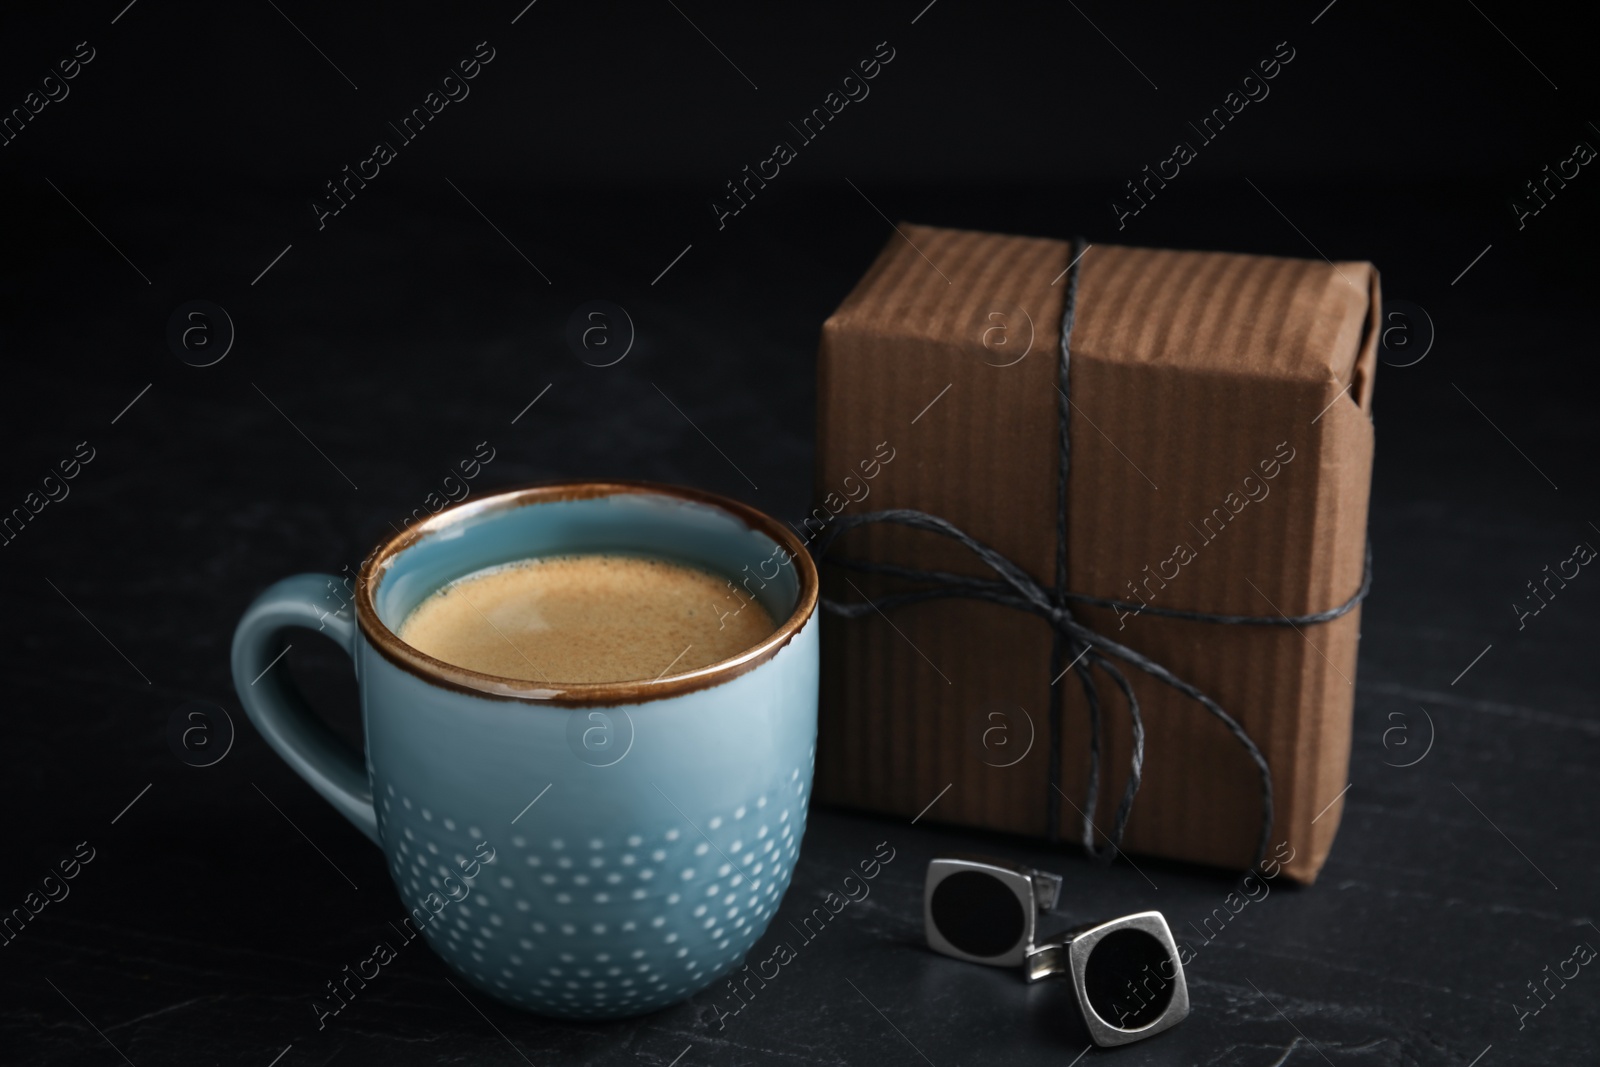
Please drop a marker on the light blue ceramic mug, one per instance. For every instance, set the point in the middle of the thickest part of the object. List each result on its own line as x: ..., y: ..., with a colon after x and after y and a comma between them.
x: 581, y: 850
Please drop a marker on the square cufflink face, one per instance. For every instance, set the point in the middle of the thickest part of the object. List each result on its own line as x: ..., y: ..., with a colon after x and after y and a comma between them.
x: 983, y: 910
x: 1128, y: 978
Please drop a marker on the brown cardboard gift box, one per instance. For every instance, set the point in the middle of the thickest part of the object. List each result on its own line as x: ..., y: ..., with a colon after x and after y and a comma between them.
x: 1221, y: 457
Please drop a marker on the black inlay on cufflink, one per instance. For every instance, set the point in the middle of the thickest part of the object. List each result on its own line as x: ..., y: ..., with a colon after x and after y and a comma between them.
x: 978, y: 913
x: 1113, y: 975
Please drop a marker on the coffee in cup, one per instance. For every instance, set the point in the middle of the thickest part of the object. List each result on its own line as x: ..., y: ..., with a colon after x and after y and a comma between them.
x: 591, y: 617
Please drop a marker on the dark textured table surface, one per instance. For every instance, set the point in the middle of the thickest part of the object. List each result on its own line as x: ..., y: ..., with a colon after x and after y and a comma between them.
x: 377, y: 353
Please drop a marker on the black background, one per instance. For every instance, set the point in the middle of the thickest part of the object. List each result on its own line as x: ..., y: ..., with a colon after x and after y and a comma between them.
x: 411, y: 327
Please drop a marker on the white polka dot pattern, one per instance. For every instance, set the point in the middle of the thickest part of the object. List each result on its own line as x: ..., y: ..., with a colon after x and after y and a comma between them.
x: 597, y: 926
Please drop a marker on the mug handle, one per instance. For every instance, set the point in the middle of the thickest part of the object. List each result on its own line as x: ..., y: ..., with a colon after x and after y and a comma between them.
x: 277, y: 708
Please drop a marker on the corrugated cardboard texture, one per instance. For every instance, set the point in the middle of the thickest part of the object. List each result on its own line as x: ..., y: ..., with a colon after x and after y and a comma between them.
x: 1190, y: 373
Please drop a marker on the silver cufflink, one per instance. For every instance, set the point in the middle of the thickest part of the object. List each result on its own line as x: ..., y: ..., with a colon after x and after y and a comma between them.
x: 982, y: 910
x: 1126, y: 973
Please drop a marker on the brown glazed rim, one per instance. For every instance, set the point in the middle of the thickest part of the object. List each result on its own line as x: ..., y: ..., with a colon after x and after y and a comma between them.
x: 579, y: 694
